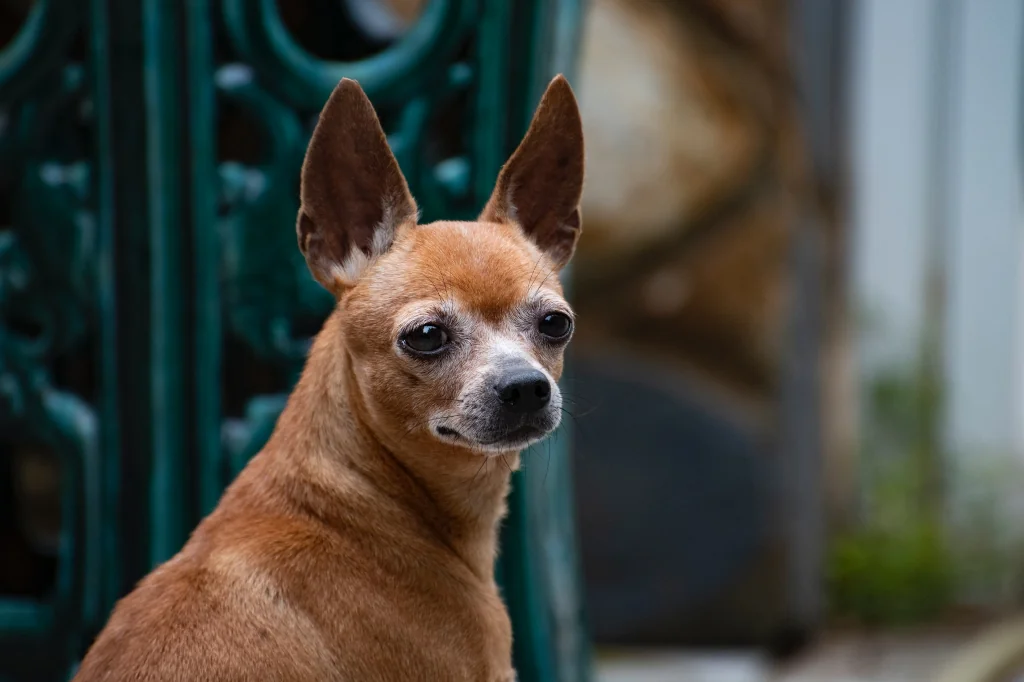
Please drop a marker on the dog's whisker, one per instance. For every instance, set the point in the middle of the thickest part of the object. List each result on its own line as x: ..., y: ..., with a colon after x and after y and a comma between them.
x: 576, y: 401
x: 427, y: 423
x: 443, y: 416
x: 444, y: 284
x: 437, y: 290
x: 547, y: 463
x: 545, y: 280
x: 533, y: 272
x: 575, y: 421
x: 589, y: 409
x: 482, y: 465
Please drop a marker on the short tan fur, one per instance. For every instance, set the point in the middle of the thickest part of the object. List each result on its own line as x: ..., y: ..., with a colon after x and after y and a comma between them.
x: 359, y: 544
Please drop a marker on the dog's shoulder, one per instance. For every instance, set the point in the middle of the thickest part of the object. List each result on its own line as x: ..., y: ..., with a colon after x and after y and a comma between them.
x: 211, y: 617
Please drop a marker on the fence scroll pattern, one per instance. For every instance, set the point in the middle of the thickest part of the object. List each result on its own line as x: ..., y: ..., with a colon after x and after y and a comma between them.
x: 154, y: 308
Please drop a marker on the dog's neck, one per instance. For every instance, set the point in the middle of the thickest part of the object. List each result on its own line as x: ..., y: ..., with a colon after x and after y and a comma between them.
x: 325, y: 431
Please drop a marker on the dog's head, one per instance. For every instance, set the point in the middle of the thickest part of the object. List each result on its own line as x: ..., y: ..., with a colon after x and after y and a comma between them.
x: 455, y: 331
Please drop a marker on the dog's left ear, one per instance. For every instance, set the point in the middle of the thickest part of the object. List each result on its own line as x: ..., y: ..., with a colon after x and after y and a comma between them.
x: 540, y: 186
x: 354, y: 197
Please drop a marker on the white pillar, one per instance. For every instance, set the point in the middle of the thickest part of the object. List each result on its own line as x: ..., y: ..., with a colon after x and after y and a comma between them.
x: 891, y: 122
x: 985, y: 347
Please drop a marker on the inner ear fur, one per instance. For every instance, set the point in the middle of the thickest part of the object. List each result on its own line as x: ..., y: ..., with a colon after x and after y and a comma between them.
x: 539, y: 188
x: 353, y: 194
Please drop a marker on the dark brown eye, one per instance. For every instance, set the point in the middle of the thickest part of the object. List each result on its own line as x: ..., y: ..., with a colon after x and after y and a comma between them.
x: 555, y: 325
x: 426, y: 339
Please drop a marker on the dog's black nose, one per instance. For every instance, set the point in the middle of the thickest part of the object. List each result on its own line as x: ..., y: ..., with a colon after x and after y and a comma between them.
x: 524, y: 391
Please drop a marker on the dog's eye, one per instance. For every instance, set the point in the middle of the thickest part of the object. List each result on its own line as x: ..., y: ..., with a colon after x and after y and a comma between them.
x: 555, y: 325
x: 426, y: 339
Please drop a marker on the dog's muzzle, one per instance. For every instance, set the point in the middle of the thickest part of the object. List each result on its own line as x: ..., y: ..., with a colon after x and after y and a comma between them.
x: 510, y: 409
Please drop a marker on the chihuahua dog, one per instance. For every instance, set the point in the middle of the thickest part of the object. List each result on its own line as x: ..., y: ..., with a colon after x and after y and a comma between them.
x: 359, y: 544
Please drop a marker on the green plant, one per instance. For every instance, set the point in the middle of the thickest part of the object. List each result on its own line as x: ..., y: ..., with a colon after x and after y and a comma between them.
x: 934, y: 528
x: 895, y: 566
x: 987, y: 535
x: 894, y: 569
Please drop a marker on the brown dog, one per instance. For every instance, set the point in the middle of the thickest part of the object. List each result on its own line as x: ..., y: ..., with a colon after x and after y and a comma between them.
x: 359, y: 544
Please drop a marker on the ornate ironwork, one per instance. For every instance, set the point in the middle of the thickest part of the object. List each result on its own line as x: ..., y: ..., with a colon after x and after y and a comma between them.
x: 53, y: 317
x: 165, y: 159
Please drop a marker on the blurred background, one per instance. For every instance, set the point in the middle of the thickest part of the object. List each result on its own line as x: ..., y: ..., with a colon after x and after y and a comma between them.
x: 796, y: 449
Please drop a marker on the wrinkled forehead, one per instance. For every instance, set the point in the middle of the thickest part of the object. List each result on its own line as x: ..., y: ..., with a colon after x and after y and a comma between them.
x: 489, y: 269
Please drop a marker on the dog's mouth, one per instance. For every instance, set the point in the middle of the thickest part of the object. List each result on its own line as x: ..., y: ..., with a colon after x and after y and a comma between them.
x: 516, y: 438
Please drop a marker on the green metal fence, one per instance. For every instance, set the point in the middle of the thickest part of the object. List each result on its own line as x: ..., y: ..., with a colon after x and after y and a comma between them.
x: 154, y: 308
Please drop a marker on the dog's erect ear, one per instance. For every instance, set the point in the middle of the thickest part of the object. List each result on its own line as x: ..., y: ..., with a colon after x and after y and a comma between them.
x: 540, y: 186
x: 353, y: 194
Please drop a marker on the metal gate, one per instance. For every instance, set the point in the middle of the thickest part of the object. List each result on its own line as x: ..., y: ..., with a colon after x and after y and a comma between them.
x: 154, y: 308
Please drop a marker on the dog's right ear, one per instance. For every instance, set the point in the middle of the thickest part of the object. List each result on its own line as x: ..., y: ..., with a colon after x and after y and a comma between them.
x: 354, y: 196
x: 539, y: 188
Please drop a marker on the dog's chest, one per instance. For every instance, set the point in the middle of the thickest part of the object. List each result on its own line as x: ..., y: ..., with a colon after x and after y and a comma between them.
x: 422, y: 626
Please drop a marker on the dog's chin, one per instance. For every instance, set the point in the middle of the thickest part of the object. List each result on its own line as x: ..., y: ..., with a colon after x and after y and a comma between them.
x: 519, y: 438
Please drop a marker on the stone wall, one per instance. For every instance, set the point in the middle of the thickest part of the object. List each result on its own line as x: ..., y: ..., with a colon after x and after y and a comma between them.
x: 698, y: 172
